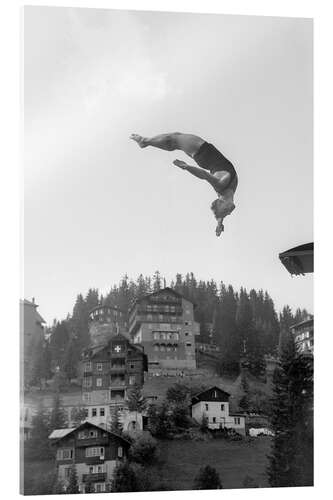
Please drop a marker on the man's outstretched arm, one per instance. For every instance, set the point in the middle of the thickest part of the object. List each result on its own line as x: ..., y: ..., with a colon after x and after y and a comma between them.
x: 198, y: 172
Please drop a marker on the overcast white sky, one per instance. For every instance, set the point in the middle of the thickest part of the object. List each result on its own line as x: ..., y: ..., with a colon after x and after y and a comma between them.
x: 97, y: 207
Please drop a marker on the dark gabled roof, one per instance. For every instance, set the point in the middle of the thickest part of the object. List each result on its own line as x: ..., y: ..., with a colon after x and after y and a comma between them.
x: 166, y: 289
x: 84, y: 425
x: 96, y: 349
x: 207, y: 395
x: 107, y: 306
x: 303, y: 322
x: 298, y: 260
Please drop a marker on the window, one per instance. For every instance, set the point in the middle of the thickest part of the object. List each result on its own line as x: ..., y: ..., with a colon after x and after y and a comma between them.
x: 102, y: 412
x: 93, y: 433
x: 96, y: 469
x: 99, y: 487
x: 65, y: 454
x: 67, y: 472
x: 132, y: 380
x: 188, y: 344
x: 99, y: 382
x: 87, y: 366
x: 87, y: 381
x: 214, y: 420
x: 160, y: 317
x: 86, y: 397
x: 99, y: 366
x: 237, y: 420
x: 156, y: 348
x: 94, y: 412
x: 206, y: 405
x: 94, y: 451
x: 120, y: 451
x: 149, y: 317
x: 82, y: 435
x: 186, y: 334
x: 222, y: 407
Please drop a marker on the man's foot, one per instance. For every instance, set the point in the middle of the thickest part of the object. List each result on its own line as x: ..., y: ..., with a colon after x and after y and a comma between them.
x: 142, y: 141
x: 180, y: 164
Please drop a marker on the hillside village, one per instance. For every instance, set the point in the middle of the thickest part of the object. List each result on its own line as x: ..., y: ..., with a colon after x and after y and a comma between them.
x: 107, y: 388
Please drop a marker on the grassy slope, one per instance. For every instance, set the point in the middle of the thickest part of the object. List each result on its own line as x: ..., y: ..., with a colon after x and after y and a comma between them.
x: 232, y: 460
x: 183, y: 459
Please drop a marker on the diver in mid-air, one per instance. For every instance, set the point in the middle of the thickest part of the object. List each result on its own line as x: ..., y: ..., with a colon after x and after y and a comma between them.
x: 215, y: 168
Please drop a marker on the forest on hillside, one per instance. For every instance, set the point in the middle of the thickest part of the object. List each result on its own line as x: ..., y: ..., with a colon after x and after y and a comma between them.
x: 244, y: 324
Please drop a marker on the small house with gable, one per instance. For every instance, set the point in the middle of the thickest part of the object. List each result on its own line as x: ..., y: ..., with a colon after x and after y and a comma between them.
x: 214, y: 405
x: 93, y: 450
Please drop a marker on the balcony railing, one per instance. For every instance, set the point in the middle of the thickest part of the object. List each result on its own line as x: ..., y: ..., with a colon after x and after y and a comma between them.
x: 97, y: 441
x: 94, y: 478
x: 117, y: 382
x: 117, y: 368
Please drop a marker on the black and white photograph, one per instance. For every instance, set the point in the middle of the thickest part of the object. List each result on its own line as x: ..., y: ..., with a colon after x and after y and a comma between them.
x: 167, y: 312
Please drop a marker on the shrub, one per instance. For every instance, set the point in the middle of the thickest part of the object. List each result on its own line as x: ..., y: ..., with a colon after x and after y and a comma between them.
x: 133, y: 477
x: 144, y: 450
x: 249, y: 482
x: 207, y: 479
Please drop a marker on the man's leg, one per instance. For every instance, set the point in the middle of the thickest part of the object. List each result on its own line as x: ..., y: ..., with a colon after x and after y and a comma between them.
x: 188, y: 143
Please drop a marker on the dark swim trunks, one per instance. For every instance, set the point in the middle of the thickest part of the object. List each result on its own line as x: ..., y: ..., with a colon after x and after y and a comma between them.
x: 210, y: 158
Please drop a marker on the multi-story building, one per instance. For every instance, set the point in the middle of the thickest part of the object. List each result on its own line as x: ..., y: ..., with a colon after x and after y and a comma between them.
x: 303, y: 335
x: 106, y: 321
x: 110, y: 370
x: 163, y: 323
x: 214, y: 405
x: 93, y: 450
x: 32, y: 333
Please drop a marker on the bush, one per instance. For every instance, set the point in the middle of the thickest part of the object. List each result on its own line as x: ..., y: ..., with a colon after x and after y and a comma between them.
x: 249, y: 482
x: 144, y: 450
x: 133, y: 477
x: 207, y: 479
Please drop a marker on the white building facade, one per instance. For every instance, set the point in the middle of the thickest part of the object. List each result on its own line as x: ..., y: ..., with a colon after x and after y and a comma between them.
x: 213, y: 404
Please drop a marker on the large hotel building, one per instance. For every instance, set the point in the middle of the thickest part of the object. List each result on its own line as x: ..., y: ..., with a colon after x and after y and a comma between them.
x: 163, y: 323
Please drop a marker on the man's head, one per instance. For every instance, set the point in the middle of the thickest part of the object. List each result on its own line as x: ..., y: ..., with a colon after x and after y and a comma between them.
x: 221, y: 208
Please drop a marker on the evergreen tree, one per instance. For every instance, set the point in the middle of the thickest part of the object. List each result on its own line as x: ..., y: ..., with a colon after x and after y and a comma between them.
x: 244, y: 402
x: 157, y: 281
x: 207, y: 479
x: 135, y: 400
x: 124, y: 478
x: 58, y: 341
x: 78, y: 415
x: 57, y: 417
x: 177, y: 393
x: 290, y: 462
x: 226, y: 334
x: 71, y: 359
x: 37, y: 448
x: 115, y: 423
x: 41, y: 370
x: 73, y: 486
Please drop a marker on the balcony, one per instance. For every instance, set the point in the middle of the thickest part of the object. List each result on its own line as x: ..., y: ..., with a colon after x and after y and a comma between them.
x: 117, y: 368
x: 97, y: 441
x: 117, y: 382
x: 98, y: 477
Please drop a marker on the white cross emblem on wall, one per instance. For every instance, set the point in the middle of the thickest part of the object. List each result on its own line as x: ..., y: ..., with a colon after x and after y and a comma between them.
x: 117, y: 348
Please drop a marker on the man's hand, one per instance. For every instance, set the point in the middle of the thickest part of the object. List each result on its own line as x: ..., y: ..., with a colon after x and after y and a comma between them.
x: 219, y: 228
x: 181, y: 164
